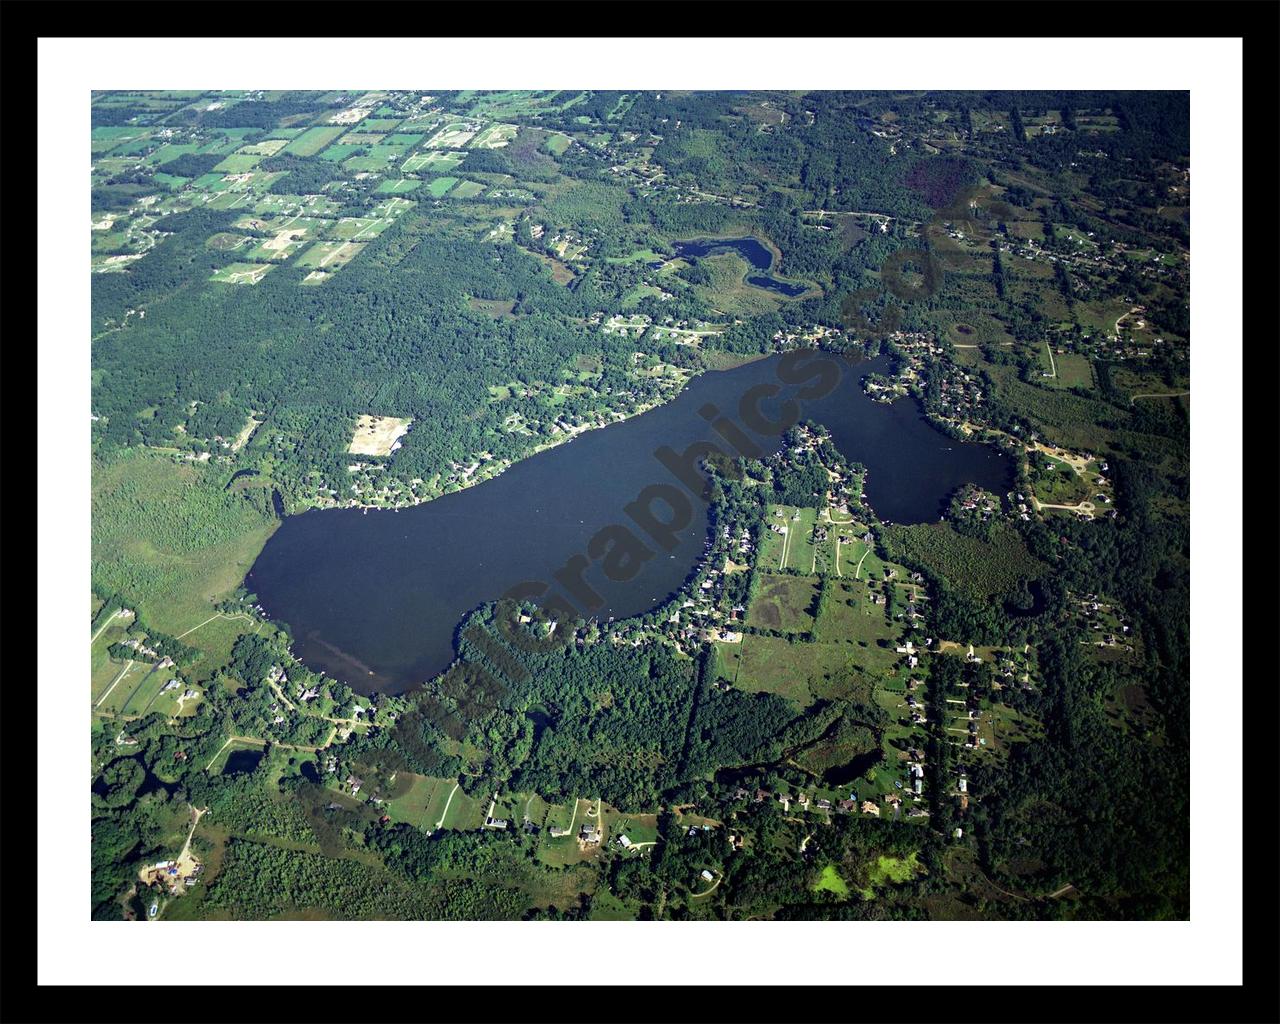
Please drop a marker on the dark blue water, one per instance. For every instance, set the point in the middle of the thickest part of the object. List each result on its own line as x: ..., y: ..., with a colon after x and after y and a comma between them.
x: 753, y: 251
x: 373, y: 598
x: 241, y: 762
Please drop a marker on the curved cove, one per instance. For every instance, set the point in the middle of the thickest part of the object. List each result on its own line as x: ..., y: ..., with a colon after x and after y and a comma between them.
x: 752, y: 250
x: 373, y: 597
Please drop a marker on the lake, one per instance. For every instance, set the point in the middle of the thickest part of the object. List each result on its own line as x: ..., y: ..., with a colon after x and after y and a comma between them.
x: 750, y: 249
x: 374, y: 598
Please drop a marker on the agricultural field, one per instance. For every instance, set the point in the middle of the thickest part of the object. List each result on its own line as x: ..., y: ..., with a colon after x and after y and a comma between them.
x: 439, y: 186
x: 359, y: 229
x: 432, y: 160
x: 494, y: 137
x: 399, y: 186
x: 285, y: 244
x: 330, y: 255
x: 453, y: 136
x: 313, y: 140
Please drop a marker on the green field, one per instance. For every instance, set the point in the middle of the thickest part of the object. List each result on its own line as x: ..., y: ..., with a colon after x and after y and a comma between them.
x: 468, y: 190
x: 440, y: 186
x: 398, y: 186
x: 237, y: 163
x: 557, y: 144
x: 432, y: 160
x: 1074, y: 371
x: 310, y: 142
x: 423, y: 803
x: 830, y: 881
x: 802, y: 672
x: 360, y: 228
x: 330, y: 255
x: 465, y: 812
x: 784, y: 603
x: 795, y: 549
x: 494, y: 137
x: 376, y: 158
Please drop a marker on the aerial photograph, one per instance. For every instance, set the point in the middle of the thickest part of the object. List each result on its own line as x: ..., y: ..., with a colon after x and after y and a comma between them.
x: 589, y: 505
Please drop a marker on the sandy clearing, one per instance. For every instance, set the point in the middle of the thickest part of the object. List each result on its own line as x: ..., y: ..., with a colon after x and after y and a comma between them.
x: 377, y: 435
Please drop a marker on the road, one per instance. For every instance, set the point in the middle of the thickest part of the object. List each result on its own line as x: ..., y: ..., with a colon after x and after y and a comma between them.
x: 707, y: 892
x: 1172, y: 394
x: 1052, y: 365
x: 197, y: 815
x: 110, y: 619
x: 860, y: 561
x: 218, y: 615
x: 440, y: 823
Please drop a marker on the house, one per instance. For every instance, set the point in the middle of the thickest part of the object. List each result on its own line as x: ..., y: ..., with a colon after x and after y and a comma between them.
x: 625, y: 842
x: 963, y: 784
x: 589, y: 836
x: 499, y: 823
x: 824, y: 805
x: 847, y: 805
x: 707, y: 875
x: 556, y: 833
x: 869, y: 807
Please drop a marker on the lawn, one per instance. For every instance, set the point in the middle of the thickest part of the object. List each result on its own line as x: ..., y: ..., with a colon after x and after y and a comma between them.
x: 1074, y: 371
x: 466, y: 812
x: 423, y: 803
x: 795, y: 548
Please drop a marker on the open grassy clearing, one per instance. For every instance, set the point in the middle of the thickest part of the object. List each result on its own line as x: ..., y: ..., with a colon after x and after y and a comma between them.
x: 423, y: 803
x: 241, y: 273
x: 784, y: 603
x: 310, y: 142
x: 431, y: 160
x: 799, y: 671
x: 439, y: 186
x: 359, y: 229
x: 330, y: 255
x: 397, y: 186
x: 830, y: 881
